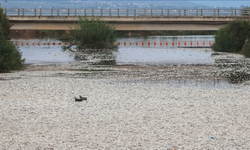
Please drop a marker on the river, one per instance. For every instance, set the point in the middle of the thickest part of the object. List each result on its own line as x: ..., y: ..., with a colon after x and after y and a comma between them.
x: 144, y: 53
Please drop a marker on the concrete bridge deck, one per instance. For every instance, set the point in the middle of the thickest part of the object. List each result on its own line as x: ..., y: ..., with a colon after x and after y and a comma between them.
x: 159, y: 21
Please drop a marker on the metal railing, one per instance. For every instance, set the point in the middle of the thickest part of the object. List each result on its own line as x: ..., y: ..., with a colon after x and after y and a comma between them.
x: 128, y: 12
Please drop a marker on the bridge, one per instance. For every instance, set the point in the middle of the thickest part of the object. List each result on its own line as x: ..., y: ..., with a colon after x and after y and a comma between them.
x: 126, y: 19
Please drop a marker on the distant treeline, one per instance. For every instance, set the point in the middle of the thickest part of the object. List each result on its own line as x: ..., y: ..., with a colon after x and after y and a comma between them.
x: 165, y: 33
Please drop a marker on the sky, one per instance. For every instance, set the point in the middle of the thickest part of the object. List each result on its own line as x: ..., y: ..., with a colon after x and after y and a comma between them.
x: 221, y: 3
x: 213, y: 3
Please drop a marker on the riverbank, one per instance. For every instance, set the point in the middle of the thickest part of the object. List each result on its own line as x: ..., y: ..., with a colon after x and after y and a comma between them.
x: 38, y: 111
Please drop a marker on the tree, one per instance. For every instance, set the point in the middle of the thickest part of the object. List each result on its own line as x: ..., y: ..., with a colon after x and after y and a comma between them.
x: 232, y: 37
x: 93, y: 33
x: 10, y: 57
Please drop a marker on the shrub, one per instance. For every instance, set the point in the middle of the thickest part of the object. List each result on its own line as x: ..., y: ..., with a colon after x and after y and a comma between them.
x: 10, y: 57
x: 93, y: 33
x: 231, y: 38
x: 223, y: 41
x: 5, y: 24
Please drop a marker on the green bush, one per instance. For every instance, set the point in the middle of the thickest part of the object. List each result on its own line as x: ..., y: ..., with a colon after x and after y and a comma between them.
x: 93, y: 33
x: 5, y: 24
x: 223, y: 41
x: 231, y: 38
x: 10, y: 57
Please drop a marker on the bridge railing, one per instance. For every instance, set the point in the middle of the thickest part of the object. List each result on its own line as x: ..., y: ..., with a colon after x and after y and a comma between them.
x: 128, y: 12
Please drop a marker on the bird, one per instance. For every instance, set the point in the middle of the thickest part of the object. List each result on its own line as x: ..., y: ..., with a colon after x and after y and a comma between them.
x: 78, y: 99
x: 83, y: 98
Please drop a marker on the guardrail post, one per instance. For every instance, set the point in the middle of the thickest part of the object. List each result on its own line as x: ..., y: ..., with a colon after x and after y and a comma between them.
x: 23, y: 11
x: 117, y: 12
x: 57, y: 11
x: 75, y: 12
x: 235, y: 13
x: 201, y: 12
x: 5, y: 9
x: 68, y: 12
x: 179, y: 12
x: 185, y: 13
x: 101, y: 12
x: 196, y: 12
x: 161, y: 12
x: 109, y: 12
x: 51, y: 12
x: 134, y: 12
x: 85, y: 13
x: 40, y: 12
x: 127, y: 12
x: 218, y: 12
x: 92, y: 12
x: 168, y: 12
x: 151, y: 13
x: 35, y: 12
x: 18, y: 11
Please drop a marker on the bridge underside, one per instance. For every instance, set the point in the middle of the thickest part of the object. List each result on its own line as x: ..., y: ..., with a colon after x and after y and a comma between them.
x: 118, y: 26
x: 122, y: 24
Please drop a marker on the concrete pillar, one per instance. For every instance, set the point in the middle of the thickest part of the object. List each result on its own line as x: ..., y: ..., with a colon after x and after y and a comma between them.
x: 179, y: 12
x: 218, y: 12
x: 127, y: 12
x: 134, y: 12
x: 75, y: 12
x: 85, y: 13
x: 185, y: 13
x: 168, y: 12
x: 35, y: 12
x: 196, y: 12
x: 151, y: 13
x: 51, y: 12
x: 101, y: 12
x: 57, y: 11
x: 5, y: 11
x: 40, y: 12
x: 68, y: 12
x: 161, y: 12
x: 201, y: 12
x: 118, y: 13
x: 110, y: 12
x: 18, y: 12
x: 92, y: 12
x: 23, y: 11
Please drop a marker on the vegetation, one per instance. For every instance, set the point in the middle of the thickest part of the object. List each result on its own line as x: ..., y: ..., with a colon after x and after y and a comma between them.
x: 232, y: 37
x: 93, y: 34
x: 165, y: 33
x: 10, y: 57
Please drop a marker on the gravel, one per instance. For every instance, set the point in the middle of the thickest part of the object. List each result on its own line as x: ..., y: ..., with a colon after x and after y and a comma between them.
x: 38, y: 111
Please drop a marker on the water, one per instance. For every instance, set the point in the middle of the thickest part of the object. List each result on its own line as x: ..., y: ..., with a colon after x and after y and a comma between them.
x: 49, y: 51
x: 139, y: 53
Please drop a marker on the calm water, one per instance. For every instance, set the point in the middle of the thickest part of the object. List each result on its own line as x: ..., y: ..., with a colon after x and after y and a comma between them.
x: 151, y: 50
x: 43, y: 51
